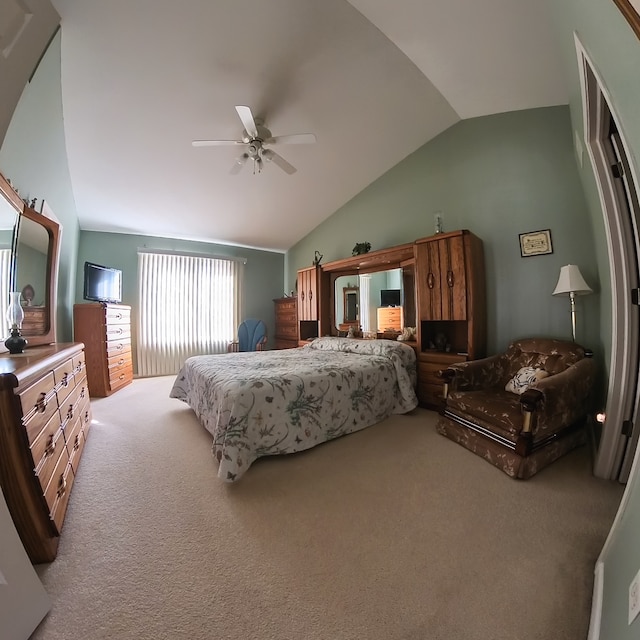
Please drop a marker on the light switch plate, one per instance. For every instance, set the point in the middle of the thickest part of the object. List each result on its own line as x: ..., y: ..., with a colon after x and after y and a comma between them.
x: 634, y: 598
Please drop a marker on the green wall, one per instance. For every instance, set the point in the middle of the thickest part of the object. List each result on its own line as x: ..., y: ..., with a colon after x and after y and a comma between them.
x: 498, y: 176
x: 262, y: 273
x: 34, y: 157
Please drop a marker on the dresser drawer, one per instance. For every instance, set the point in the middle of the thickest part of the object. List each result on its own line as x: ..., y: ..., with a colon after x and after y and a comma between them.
x: 115, y: 347
x: 64, y: 375
x: 58, y: 492
x: 75, y: 443
x: 46, y: 449
x: 118, y: 331
x: 38, y: 405
x: 58, y: 483
x: 428, y: 372
x: 119, y: 376
x: 117, y: 315
x: 70, y: 408
x: 287, y: 331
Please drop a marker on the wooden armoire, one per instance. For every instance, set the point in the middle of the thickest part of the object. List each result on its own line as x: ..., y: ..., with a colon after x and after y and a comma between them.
x: 451, y: 313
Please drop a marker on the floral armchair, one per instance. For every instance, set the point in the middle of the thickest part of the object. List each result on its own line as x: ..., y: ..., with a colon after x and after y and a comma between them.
x: 522, y: 409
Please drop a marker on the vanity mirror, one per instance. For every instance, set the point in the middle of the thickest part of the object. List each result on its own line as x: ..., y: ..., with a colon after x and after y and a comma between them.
x: 31, y: 264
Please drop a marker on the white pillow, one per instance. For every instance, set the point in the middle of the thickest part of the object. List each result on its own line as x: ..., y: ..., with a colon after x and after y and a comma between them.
x: 525, y: 377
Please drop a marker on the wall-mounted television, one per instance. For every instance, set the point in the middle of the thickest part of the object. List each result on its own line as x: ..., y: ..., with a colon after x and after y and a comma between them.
x: 390, y: 297
x: 102, y: 284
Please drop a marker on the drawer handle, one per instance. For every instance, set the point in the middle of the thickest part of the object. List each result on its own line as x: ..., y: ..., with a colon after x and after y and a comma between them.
x: 118, y: 316
x: 62, y: 485
x: 76, y: 443
x: 79, y: 367
x: 450, y: 279
x: 302, y: 296
x: 82, y: 392
x: 119, y: 347
x: 121, y: 361
x: 86, y: 417
x: 118, y: 330
x: 121, y: 376
x: 431, y: 280
x: 65, y: 380
x: 70, y: 412
x: 41, y: 403
x: 310, y: 296
x: 51, y: 446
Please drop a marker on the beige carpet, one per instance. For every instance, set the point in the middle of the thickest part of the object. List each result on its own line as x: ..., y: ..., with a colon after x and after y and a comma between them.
x: 392, y: 533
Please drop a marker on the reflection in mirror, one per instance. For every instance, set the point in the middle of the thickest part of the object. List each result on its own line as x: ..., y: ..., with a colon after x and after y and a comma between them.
x: 347, y: 303
x: 7, y: 223
x: 369, y: 288
x: 31, y: 263
x: 10, y: 205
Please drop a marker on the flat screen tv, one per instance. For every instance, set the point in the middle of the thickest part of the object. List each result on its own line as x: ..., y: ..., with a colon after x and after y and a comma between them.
x: 102, y: 284
x: 390, y: 298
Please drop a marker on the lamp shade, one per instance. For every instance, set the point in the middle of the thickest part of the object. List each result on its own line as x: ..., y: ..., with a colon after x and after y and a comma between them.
x: 571, y: 281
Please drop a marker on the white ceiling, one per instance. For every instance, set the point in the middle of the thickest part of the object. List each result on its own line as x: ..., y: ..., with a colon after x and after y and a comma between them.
x: 373, y: 80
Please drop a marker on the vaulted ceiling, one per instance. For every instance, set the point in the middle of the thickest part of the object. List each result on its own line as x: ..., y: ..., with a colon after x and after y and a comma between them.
x: 373, y: 80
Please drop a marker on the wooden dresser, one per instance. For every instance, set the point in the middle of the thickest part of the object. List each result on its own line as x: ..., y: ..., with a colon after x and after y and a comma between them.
x: 286, y: 323
x: 105, y: 330
x: 390, y: 319
x: 46, y: 415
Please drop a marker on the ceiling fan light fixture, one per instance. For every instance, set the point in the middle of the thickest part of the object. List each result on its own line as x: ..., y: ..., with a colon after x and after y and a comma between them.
x: 255, y: 135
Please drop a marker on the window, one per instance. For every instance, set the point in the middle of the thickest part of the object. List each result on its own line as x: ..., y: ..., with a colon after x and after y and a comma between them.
x: 189, y: 305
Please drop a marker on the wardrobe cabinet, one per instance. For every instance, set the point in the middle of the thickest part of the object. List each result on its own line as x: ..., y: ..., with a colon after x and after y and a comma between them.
x: 105, y: 329
x: 308, y: 303
x: 451, y: 306
x: 44, y: 402
x: 286, y: 323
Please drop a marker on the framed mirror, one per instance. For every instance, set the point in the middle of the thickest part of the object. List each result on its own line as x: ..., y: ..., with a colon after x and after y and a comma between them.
x: 37, y: 249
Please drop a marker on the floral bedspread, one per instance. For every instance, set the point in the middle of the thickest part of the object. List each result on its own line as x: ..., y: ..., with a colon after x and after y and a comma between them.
x: 273, y: 402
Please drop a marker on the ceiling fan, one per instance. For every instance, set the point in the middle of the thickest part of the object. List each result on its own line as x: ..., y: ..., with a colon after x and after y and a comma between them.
x: 255, y: 139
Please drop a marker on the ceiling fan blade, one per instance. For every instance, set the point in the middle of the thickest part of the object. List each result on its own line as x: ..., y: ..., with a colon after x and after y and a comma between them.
x: 215, y: 143
x: 296, y: 138
x: 272, y: 156
x: 238, y: 164
x: 248, y: 121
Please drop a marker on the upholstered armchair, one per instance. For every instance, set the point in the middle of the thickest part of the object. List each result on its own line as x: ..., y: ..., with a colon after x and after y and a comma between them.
x: 252, y: 336
x: 522, y: 409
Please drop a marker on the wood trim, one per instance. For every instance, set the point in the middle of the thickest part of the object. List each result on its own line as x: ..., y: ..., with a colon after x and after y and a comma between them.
x: 373, y: 261
x: 630, y: 14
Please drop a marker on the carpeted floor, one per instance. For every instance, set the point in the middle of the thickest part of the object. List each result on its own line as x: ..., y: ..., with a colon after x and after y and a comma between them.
x: 391, y: 533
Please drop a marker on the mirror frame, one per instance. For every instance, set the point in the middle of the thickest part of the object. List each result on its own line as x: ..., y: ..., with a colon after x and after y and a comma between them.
x: 52, y: 229
x: 398, y: 257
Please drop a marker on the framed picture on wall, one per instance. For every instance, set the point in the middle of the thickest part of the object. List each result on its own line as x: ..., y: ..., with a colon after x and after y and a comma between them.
x: 631, y: 11
x: 535, y: 243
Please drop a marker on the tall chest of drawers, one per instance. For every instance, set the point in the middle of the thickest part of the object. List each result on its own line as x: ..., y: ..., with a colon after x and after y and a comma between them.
x: 105, y: 330
x: 45, y: 418
x: 286, y: 323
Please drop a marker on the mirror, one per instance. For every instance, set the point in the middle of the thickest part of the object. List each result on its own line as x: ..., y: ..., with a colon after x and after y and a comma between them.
x: 347, y: 299
x: 368, y: 293
x: 36, y: 273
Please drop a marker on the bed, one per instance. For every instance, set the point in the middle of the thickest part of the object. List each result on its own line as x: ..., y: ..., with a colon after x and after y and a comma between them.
x: 276, y: 402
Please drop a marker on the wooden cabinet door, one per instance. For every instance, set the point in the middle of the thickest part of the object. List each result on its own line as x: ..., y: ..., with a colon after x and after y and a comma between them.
x: 441, y: 279
x: 429, y: 281
x: 308, y: 294
x: 453, y: 279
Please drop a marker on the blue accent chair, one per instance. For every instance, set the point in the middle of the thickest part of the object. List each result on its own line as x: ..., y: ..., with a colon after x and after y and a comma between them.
x: 252, y: 336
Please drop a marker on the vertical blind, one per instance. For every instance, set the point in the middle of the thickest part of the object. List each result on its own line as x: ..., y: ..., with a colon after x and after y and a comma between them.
x: 189, y: 305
